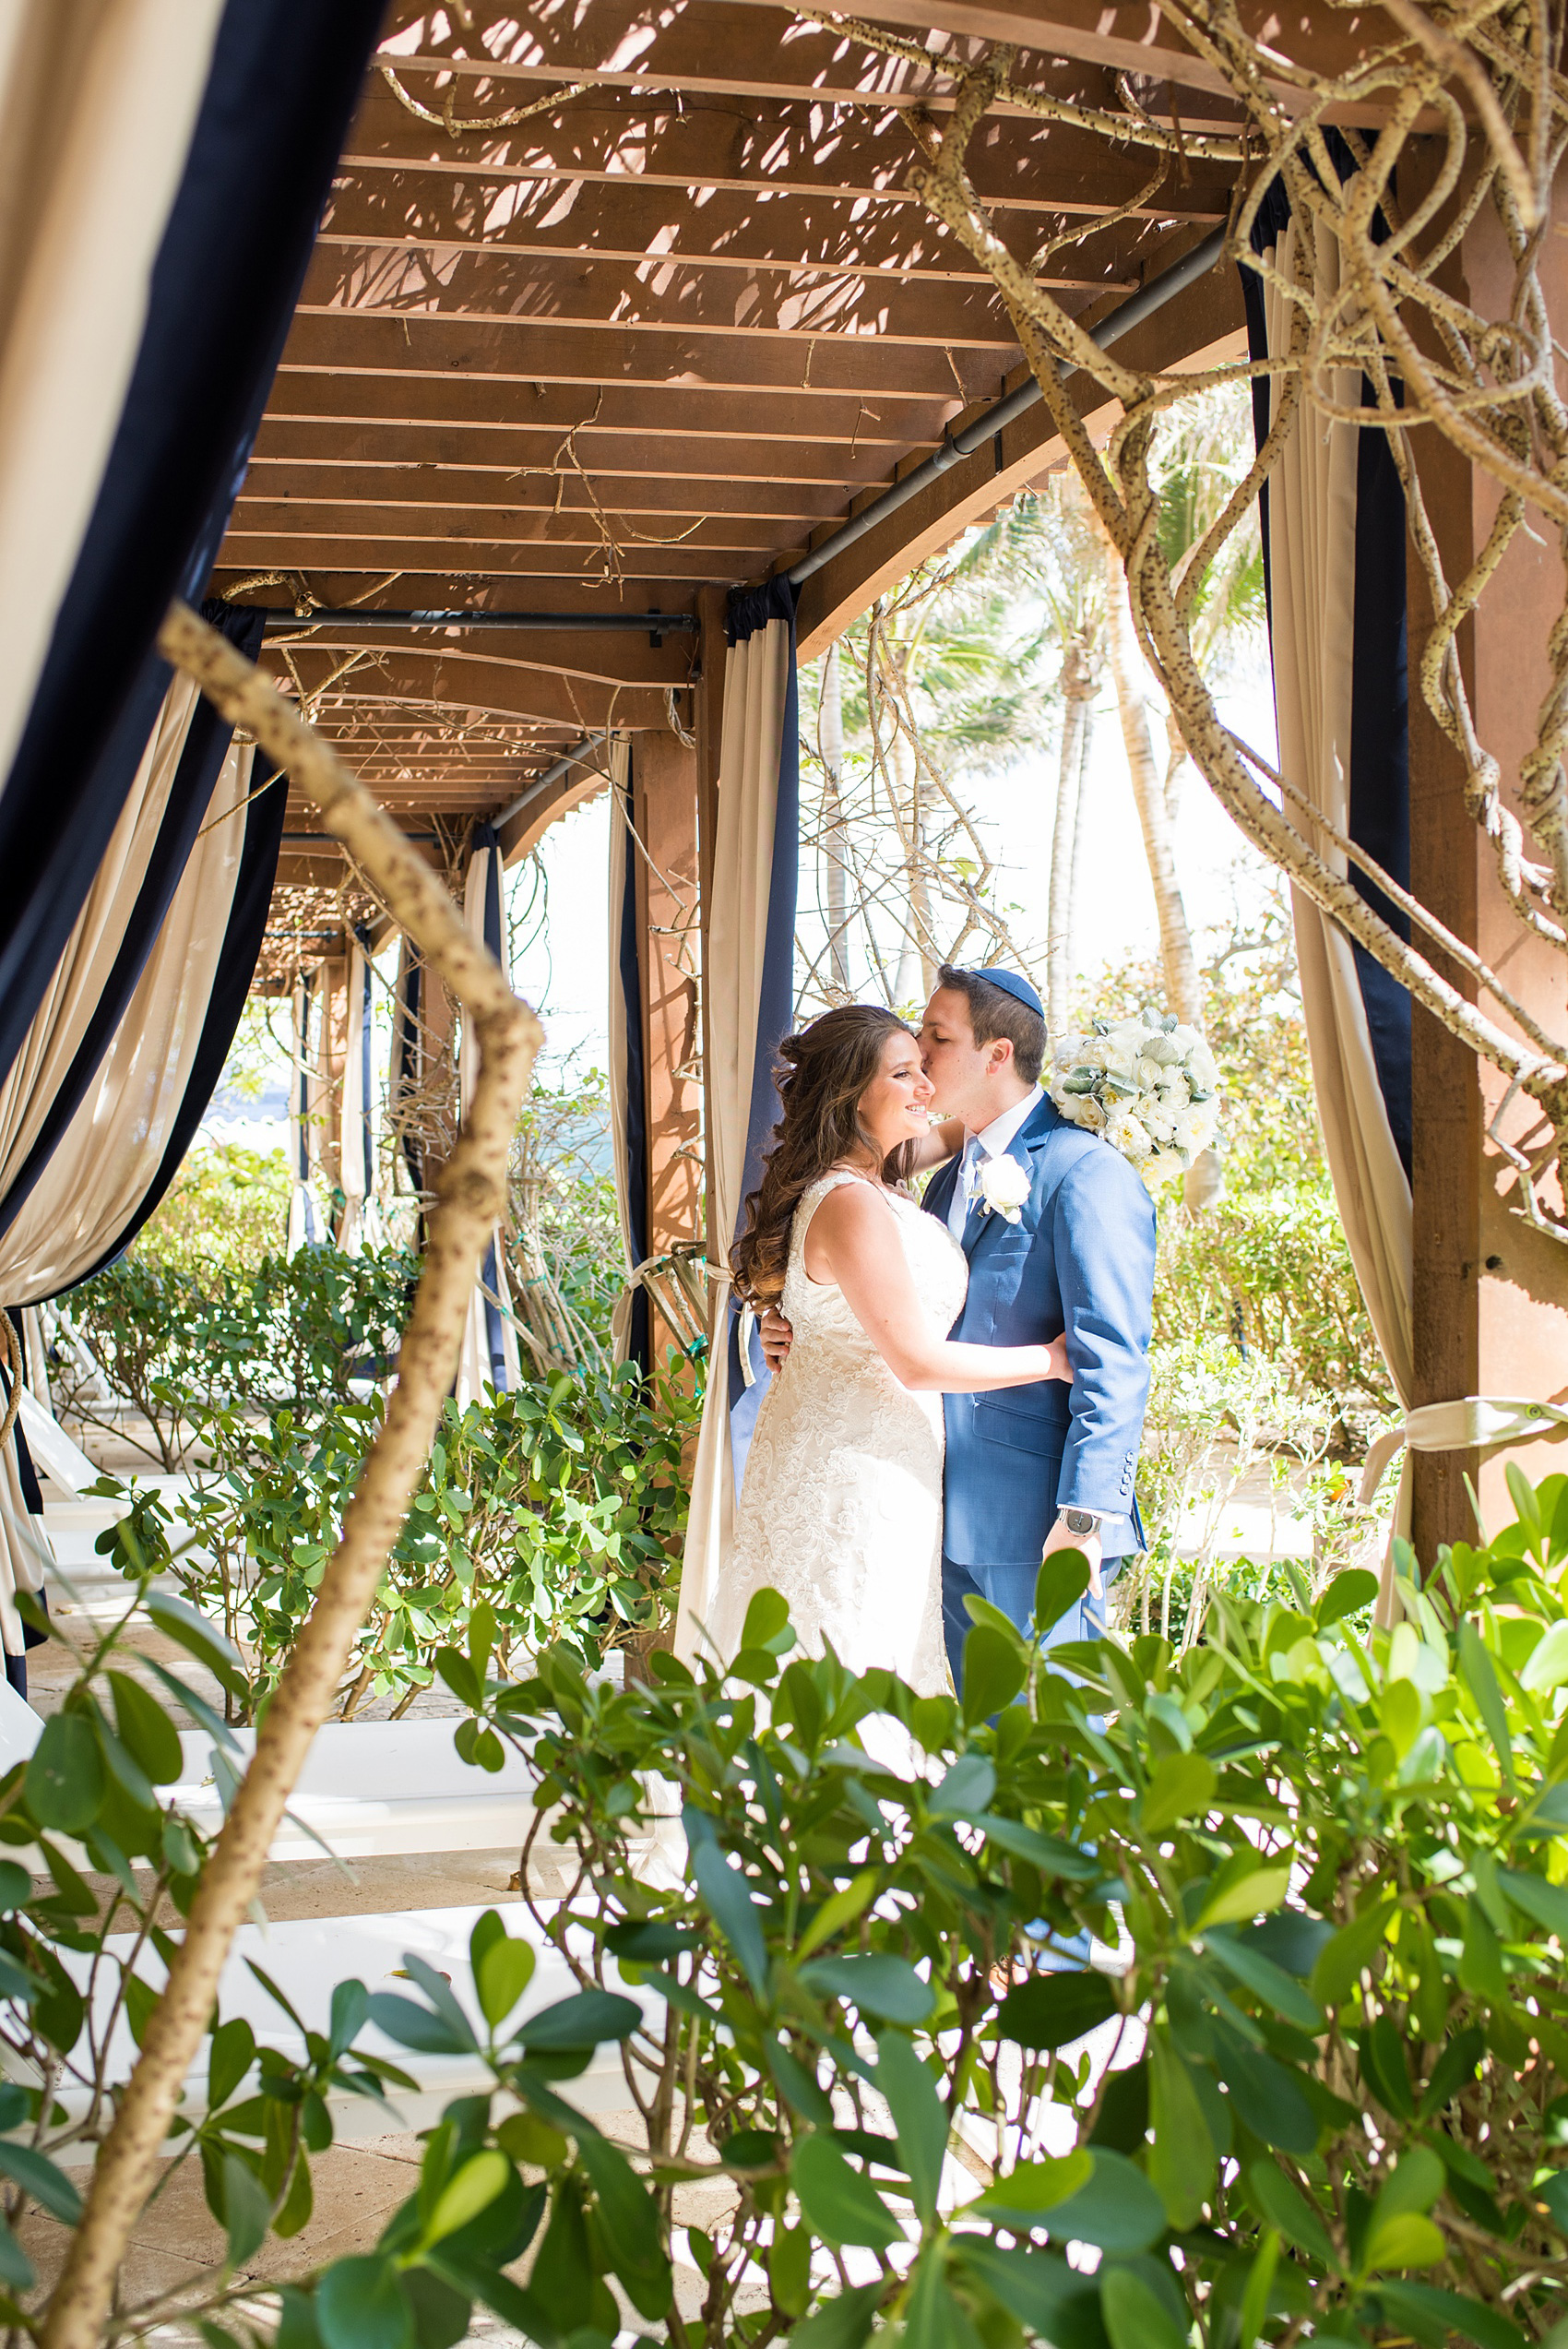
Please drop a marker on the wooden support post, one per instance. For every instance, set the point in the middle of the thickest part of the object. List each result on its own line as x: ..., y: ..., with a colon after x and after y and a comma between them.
x: 333, y: 981
x: 664, y: 814
x: 709, y: 702
x: 1490, y: 1293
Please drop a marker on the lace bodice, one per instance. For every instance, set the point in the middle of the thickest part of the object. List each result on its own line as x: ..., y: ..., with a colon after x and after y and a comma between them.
x: 841, y: 1506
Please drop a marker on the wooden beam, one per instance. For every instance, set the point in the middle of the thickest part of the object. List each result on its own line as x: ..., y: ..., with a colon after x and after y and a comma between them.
x: 673, y: 570
x: 443, y: 686
x: 523, y: 834
x: 624, y: 220
x: 1206, y: 326
x: 761, y: 148
x: 296, y: 454
x: 485, y: 671
x: 309, y: 526
x: 398, y: 500
x: 681, y: 412
x: 664, y: 811
x: 526, y: 352
x: 627, y: 291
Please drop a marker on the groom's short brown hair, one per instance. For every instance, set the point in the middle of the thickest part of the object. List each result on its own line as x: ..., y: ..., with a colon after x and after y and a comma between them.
x: 993, y: 1012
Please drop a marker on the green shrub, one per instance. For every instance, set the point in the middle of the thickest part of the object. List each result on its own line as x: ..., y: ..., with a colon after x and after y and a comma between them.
x: 179, y: 1345
x: 560, y: 1508
x: 1327, y: 2083
x: 226, y: 1209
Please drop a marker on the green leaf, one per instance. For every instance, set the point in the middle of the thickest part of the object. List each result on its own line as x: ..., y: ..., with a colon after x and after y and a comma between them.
x: 728, y: 1902
x: 1062, y: 1578
x: 766, y: 1614
x: 65, y: 1775
x: 841, y: 2323
x: 1133, y: 2316
x: 838, y: 2203
x: 231, y: 2055
x: 410, y: 2025
x: 1117, y: 2209
x: 16, y: 2267
x: 146, y: 1729
x: 1053, y: 2010
x: 887, y: 1987
x: 788, y: 2268
x: 1406, y: 2240
x: 966, y: 1789
x: 1544, y: 1903
x: 1453, y: 2067
x: 1047, y: 1852
x: 361, y: 2303
x: 247, y: 2211
x: 1037, y: 2288
x: 1426, y: 2309
x: 1341, y: 1961
x: 1480, y: 1957
x: 192, y: 1630
x: 1346, y: 1594
x: 578, y: 2024
x: 1181, y: 2158
x: 501, y: 1975
x: 994, y: 1671
x: 1414, y: 2185
x: 629, y: 2218
x: 1242, y: 1897
x: 1032, y: 2190
x: 839, y: 1909
x: 920, y: 2117
x: 1475, y: 1666
x: 1266, y: 1981
x: 1181, y: 1787
x: 933, y: 2319
x: 1267, y: 2095
x: 37, y: 2176
x: 1260, y: 2281
x: 471, y: 2188
x: 1279, y: 2203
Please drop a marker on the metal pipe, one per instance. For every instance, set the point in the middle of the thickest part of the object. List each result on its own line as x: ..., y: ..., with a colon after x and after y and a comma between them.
x: 360, y: 616
x: 578, y: 757
x: 1122, y: 321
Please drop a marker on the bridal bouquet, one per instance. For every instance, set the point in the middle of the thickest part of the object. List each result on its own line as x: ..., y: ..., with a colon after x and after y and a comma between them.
x: 1148, y: 1085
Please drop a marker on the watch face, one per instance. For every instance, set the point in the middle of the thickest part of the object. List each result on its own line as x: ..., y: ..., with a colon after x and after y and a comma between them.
x: 1081, y: 1520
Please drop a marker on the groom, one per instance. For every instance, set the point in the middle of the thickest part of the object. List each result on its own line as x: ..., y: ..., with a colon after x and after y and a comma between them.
x: 1030, y: 1470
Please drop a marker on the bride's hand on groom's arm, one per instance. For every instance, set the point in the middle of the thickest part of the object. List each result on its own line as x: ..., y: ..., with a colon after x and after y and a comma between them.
x: 777, y: 1338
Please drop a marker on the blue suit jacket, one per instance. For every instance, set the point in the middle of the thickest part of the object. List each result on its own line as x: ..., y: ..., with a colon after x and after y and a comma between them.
x: 1080, y: 1258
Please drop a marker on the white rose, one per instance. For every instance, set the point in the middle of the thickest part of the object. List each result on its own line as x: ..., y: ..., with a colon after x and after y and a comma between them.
x: 1149, y: 1072
x: 1004, y: 1186
x: 1121, y: 1057
x: 1186, y: 1037
x: 1201, y: 1067
x: 1128, y: 1135
x: 1192, y: 1130
x: 1084, y: 1110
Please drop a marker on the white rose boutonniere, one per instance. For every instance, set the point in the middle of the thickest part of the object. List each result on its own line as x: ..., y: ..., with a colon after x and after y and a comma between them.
x: 1003, y: 1188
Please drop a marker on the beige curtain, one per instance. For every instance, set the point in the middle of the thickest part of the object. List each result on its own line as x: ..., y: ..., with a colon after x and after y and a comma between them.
x: 82, y: 972
x: 109, y: 1153
x: 1312, y: 520
x: 307, y: 1216
x: 355, y: 1120
x: 757, y: 677
x: 490, y: 1307
x: 98, y: 98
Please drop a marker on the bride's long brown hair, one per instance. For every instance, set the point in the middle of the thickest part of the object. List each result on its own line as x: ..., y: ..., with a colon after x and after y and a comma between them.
x: 828, y: 1067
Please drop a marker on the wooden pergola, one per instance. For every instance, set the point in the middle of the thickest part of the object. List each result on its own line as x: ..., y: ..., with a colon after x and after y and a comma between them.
x: 616, y: 307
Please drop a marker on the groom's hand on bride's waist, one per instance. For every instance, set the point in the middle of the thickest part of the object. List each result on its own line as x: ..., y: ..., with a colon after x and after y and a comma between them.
x: 777, y: 1338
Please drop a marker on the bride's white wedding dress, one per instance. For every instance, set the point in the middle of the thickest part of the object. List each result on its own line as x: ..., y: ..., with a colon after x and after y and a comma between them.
x: 841, y: 1506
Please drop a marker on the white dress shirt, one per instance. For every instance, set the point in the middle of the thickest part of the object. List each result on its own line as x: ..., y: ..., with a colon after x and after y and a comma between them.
x: 992, y: 1141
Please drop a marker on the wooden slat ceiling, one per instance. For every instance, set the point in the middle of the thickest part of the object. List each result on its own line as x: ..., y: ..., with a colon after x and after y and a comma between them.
x: 662, y: 334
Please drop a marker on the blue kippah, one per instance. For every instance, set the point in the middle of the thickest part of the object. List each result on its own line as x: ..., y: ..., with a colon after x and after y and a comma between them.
x: 1013, y: 983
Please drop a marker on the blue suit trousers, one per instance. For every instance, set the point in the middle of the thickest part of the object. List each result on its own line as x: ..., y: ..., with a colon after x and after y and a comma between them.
x: 1010, y: 1589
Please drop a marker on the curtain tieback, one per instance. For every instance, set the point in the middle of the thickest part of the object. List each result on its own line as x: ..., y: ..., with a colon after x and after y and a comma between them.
x: 1475, y: 1423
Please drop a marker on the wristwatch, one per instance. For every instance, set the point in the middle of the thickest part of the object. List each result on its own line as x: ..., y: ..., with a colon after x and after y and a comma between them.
x: 1080, y: 1521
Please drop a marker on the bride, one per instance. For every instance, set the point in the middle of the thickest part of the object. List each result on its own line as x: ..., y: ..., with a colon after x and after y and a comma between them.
x: 840, y: 1508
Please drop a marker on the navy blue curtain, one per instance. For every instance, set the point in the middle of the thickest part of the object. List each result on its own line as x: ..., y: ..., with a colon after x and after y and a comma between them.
x: 1379, y: 714
x: 283, y: 87
x: 406, y: 1015
x: 749, y: 610
x: 486, y: 836
x: 633, y: 1080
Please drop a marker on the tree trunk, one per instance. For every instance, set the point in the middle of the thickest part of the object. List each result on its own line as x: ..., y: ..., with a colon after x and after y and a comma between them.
x: 835, y: 845
x: 1183, y: 988
x: 906, y: 793
x: 1079, y: 683
x: 472, y: 1191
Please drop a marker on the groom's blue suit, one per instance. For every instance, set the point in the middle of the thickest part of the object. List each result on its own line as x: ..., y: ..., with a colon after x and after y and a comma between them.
x: 1080, y: 1258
